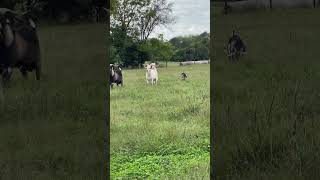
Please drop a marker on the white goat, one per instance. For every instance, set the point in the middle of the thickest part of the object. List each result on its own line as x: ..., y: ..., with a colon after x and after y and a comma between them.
x: 152, y: 73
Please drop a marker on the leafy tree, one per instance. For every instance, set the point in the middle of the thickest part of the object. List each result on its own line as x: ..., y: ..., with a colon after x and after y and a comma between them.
x: 155, y: 13
x: 125, y: 16
x: 134, y: 55
x: 139, y: 18
x: 113, y: 6
x: 158, y: 49
x: 191, y: 47
x: 132, y: 22
x: 114, y: 56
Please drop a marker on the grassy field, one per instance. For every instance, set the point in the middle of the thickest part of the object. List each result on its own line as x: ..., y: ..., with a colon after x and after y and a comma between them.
x: 161, y: 132
x: 266, y: 107
x: 54, y: 129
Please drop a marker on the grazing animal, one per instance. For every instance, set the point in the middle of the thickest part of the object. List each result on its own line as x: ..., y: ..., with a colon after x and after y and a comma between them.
x: 116, y: 75
x: 19, y: 44
x: 183, y: 76
x: 235, y: 47
x: 152, y: 74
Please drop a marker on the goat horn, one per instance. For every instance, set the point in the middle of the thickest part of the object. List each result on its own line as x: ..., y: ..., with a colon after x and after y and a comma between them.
x: 106, y: 9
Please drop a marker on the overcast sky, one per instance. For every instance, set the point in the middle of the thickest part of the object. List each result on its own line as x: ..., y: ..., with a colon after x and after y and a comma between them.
x: 192, y: 17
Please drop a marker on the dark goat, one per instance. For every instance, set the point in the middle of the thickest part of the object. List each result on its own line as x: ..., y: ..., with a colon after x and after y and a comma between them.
x: 235, y: 47
x: 116, y: 75
x: 183, y: 76
x: 19, y: 44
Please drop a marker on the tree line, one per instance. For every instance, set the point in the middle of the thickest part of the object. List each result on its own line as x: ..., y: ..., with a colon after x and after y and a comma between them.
x: 177, y: 49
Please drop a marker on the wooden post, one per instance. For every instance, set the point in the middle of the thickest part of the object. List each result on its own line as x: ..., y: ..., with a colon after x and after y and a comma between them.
x: 270, y: 4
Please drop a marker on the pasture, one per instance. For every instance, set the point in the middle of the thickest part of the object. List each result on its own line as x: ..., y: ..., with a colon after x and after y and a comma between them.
x: 161, y: 131
x: 54, y: 129
x: 266, y: 107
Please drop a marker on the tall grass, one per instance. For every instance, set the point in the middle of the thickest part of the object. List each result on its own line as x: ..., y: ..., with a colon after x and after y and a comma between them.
x: 54, y: 129
x: 266, y: 106
x: 162, y: 131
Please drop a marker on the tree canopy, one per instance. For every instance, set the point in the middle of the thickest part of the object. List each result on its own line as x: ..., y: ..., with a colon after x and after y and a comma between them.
x: 132, y: 22
x: 195, y: 47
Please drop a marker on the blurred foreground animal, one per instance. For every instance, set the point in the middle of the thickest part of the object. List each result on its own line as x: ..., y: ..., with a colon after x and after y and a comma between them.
x: 151, y: 74
x: 116, y: 75
x: 235, y: 47
x: 19, y: 44
x: 183, y: 76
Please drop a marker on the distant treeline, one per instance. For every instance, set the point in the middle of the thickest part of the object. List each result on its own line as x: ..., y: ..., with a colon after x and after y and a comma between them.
x: 63, y: 11
x: 191, y: 47
x: 177, y: 49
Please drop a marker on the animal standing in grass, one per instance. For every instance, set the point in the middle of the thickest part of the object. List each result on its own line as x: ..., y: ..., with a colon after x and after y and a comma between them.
x: 183, y: 76
x: 152, y: 74
x: 116, y: 75
x: 19, y: 44
x: 235, y: 47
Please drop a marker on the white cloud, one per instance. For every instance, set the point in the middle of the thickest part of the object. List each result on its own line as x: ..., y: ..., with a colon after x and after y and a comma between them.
x: 192, y: 17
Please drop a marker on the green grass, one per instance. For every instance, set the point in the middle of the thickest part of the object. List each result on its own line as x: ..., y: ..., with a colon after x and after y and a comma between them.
x: 267, y: 105
x: 54, y: 129
x: 162, y: 131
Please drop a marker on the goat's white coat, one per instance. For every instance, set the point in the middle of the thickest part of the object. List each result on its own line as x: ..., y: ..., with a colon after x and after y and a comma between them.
x: 152, y: 74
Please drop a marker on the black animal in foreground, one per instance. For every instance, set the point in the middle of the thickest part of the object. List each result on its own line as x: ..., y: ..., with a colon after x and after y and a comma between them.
x: 116, y: 75
x: 19, y: 44
x: 183, y: 76
x: 235, y: 47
